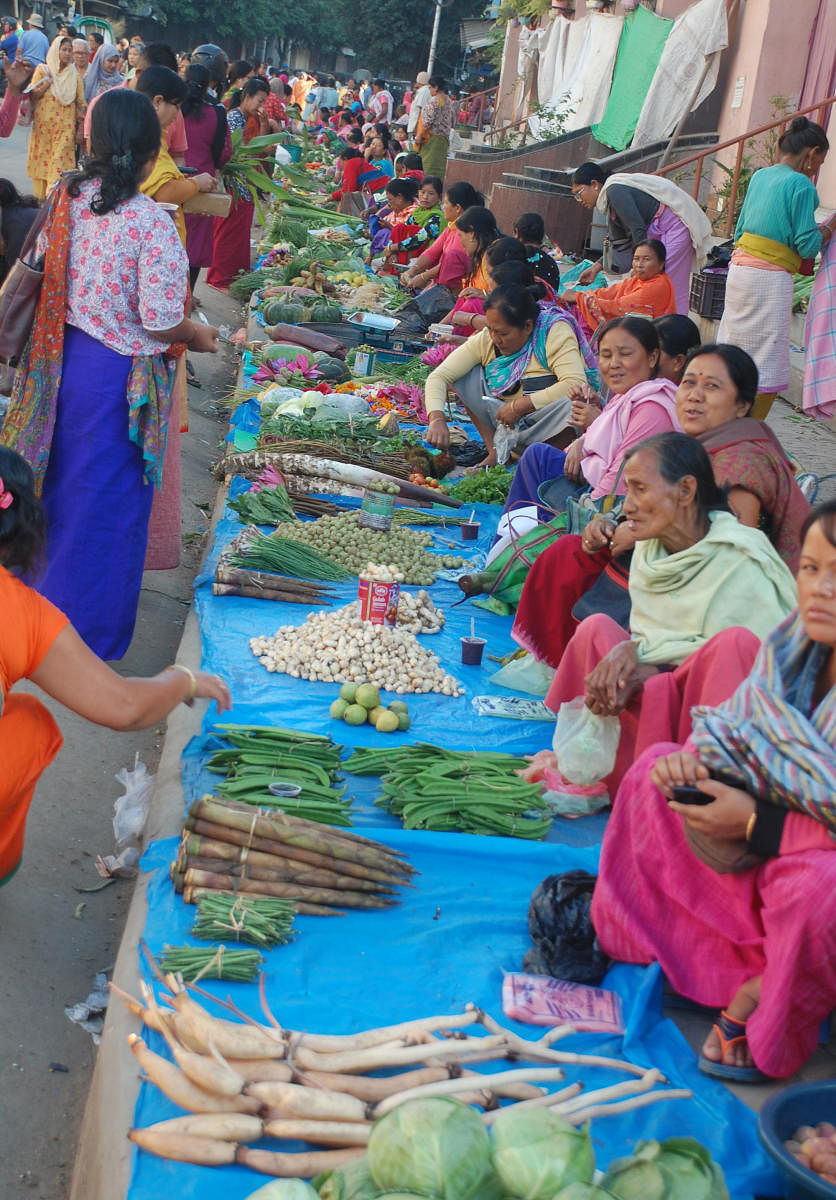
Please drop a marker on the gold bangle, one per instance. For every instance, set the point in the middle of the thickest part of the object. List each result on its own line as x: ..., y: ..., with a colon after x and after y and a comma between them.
x: 750, y: 825
x: 189, y: 700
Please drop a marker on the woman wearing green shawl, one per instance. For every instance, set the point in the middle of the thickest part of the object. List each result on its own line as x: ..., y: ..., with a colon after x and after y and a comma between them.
x: 704, y: 591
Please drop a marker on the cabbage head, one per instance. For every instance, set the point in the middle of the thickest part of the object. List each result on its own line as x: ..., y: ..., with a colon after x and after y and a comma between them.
x: 435, y: 1147
x: 284, y: 1189
x: 676, y: 1169
x: 583, y: 1191
x: 536, y: 1153
x: 351, y: 1182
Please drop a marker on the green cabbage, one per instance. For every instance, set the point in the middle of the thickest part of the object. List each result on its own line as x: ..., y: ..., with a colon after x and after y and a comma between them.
x: 284, y: 1189
x: 536, y: 1153
x: 434, y: 1147
x: 583, y: 1191
x: 351, y: 1182
x: 676, y: 1169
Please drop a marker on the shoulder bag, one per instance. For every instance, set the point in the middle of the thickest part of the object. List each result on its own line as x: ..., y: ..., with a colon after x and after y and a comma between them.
x: 20, y: 291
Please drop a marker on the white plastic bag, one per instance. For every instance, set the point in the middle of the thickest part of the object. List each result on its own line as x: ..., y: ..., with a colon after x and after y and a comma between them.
x: 585, y: 744
x: 130, y: 812
x: 513, y: 525
x: 504, y: 441
x: 525, y: 674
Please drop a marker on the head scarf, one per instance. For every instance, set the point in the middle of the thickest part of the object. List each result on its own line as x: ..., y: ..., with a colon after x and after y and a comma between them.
x: 64, y: 81
x: 97, y: 79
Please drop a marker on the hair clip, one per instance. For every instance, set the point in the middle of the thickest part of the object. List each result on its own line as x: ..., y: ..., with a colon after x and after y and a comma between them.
x: 6, y: 498
x: 122, y: 160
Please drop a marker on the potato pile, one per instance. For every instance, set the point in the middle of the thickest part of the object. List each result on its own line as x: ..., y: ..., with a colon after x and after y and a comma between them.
x: 814, y: 1147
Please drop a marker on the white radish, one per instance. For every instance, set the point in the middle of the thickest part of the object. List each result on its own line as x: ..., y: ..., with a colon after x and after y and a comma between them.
x: 296, y: 1166
x: 226, y: 1127
x: 547, y: 1101
x: 452, y: 1087
x: 319, y: 1133
x: 199, y: 1031
x: 608, y: 1110
x: 630, y: 1088
x: 376, y: 1057
x: 212, y: 1074
x: 180, y: 1089
x: 293, y: 1100
x: 182, y: 1147
x: 412, y: 1030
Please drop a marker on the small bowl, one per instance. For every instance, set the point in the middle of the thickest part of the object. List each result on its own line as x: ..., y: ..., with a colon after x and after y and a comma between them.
x: 284, y: 789
x: 781, y: 1115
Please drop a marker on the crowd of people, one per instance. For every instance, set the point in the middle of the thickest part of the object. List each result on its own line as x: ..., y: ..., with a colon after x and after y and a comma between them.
x: 674, y: 608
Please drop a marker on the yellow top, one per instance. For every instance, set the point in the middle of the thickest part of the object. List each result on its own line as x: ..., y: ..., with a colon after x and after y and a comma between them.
x: 158, y: 186
x: 564, y: 362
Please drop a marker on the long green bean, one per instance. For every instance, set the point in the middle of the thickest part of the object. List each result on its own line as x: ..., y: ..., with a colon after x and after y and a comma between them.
x: 261, y: 920
x: 211, y: 962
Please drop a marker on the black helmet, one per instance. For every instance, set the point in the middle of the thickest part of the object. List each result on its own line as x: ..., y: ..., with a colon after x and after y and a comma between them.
x: 214, y: 59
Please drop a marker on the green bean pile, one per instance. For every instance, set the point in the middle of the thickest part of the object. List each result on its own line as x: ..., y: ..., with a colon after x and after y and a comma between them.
x: 424, y: 516
x: 286, y: 556
x: 446, y: 790
x: 347, y: 543
x: 211, y: 962
x: 262, y: 920
x: 256, y: 756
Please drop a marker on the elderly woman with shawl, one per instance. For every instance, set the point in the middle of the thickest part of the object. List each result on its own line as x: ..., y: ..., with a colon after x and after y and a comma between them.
x: 639, y: 207
x: 59, y: 108
x: 695, y: 572
x: 581, y: 575
x: 103, y: 72
x: 516, y: 372
x: 736, y: 899
x: 647, y: 291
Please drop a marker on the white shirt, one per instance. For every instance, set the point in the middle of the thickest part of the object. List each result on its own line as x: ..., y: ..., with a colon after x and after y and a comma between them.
x: 419, y: 101
x: 380, y: 105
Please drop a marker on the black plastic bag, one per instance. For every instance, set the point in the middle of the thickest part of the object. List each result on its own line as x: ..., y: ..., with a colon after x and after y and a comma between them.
x: 565, y: 945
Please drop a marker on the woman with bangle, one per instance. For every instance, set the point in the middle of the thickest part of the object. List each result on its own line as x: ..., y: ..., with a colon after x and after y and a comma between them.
x: 516, y: 372
x: 759, y: 940
x: 477, y: 232
x: 446, y: 262
x: 37, y: 642
x: 92, y: 395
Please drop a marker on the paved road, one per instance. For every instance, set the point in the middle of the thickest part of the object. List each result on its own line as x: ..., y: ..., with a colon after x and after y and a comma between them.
x: 13, y: 159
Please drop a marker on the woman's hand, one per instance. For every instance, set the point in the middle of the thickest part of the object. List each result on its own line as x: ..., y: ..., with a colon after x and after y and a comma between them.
x: 610, y: 687
x: 623, y: 540
x: 205, y: 181
x: 507, y: 414
x: 570, y: 296
x: 727, y: 817
x: 677, y: 770
x: 438, y: 433
x: 574, y: 456
x: 472, y: 293
x: 588, y: 276
x: 204, y: 339
x: 598, y: 535
x: 212, y: 687
x: 586, y: 405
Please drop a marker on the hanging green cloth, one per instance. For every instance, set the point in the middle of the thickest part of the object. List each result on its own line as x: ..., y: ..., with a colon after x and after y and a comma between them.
x: 643, y: 38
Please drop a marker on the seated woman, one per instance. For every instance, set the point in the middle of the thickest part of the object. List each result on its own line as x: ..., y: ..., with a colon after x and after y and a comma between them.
x: 37, y: 642
x: 647, y: 291
x: 401, y: 202
x: 426, y: 223
x: 478, y: 234
x: 758, y: 942
x: 517, y: 372
x: 357, y: 174
x: 713, y: 402
x: 641, y: 403
x: 696, y: 571
x: 446, y: 262
x: 530, y: 229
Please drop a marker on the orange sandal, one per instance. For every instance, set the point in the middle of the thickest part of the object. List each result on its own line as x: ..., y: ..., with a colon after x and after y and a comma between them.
x: 730, y: 1032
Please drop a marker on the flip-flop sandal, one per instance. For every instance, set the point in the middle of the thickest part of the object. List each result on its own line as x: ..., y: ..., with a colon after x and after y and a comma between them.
x: 729, y: 1031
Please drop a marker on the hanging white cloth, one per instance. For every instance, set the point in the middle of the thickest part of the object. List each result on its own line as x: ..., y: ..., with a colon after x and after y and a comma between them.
x: 552, y: 65
x: 699, y: 34
x: 588, y: 79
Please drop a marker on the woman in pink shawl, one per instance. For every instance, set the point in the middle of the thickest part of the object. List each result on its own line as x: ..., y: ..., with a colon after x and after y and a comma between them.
x: 641, y: 404
x: 753, y: 934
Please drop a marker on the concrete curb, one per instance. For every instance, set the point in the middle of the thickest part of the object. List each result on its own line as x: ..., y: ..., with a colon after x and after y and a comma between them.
x: 102, y: 1169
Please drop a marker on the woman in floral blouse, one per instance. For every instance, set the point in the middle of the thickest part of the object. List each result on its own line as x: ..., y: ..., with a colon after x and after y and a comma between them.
x: 435, y: 124
x: 91, y: 400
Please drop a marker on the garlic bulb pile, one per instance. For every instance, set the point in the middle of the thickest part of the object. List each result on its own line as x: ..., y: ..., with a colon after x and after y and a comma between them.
x: 338, y: 647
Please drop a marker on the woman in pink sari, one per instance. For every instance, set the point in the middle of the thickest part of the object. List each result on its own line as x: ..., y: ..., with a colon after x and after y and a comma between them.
x: 760, y: 937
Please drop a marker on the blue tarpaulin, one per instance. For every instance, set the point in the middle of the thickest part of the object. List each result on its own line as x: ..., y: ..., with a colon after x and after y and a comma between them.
x: 456, y: 931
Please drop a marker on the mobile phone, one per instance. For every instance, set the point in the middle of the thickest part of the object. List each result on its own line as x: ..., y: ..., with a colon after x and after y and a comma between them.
x: 688, y: 794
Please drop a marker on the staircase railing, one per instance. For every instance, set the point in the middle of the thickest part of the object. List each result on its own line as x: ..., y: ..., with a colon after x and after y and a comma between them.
x: 780, y: 124
x: 472, y: 116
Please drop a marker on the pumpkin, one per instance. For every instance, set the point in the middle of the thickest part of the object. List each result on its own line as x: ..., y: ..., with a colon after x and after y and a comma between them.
x: 283, y: 312
x: 278, y: 350
x: 332, y: 369
x: 322, y: 311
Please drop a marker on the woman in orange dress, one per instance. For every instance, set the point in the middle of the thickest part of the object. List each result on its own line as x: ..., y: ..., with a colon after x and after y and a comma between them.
x: 59, y: 107
x: 37, y: 642
x: 647, y: 291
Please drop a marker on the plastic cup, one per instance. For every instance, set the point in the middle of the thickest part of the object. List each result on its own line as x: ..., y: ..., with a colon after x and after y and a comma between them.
x: 472, y: 650
x: 470, y: 531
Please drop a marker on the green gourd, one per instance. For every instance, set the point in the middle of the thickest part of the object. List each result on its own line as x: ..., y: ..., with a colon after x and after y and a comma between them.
x: 325, y: 312
x: 283, y: 312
